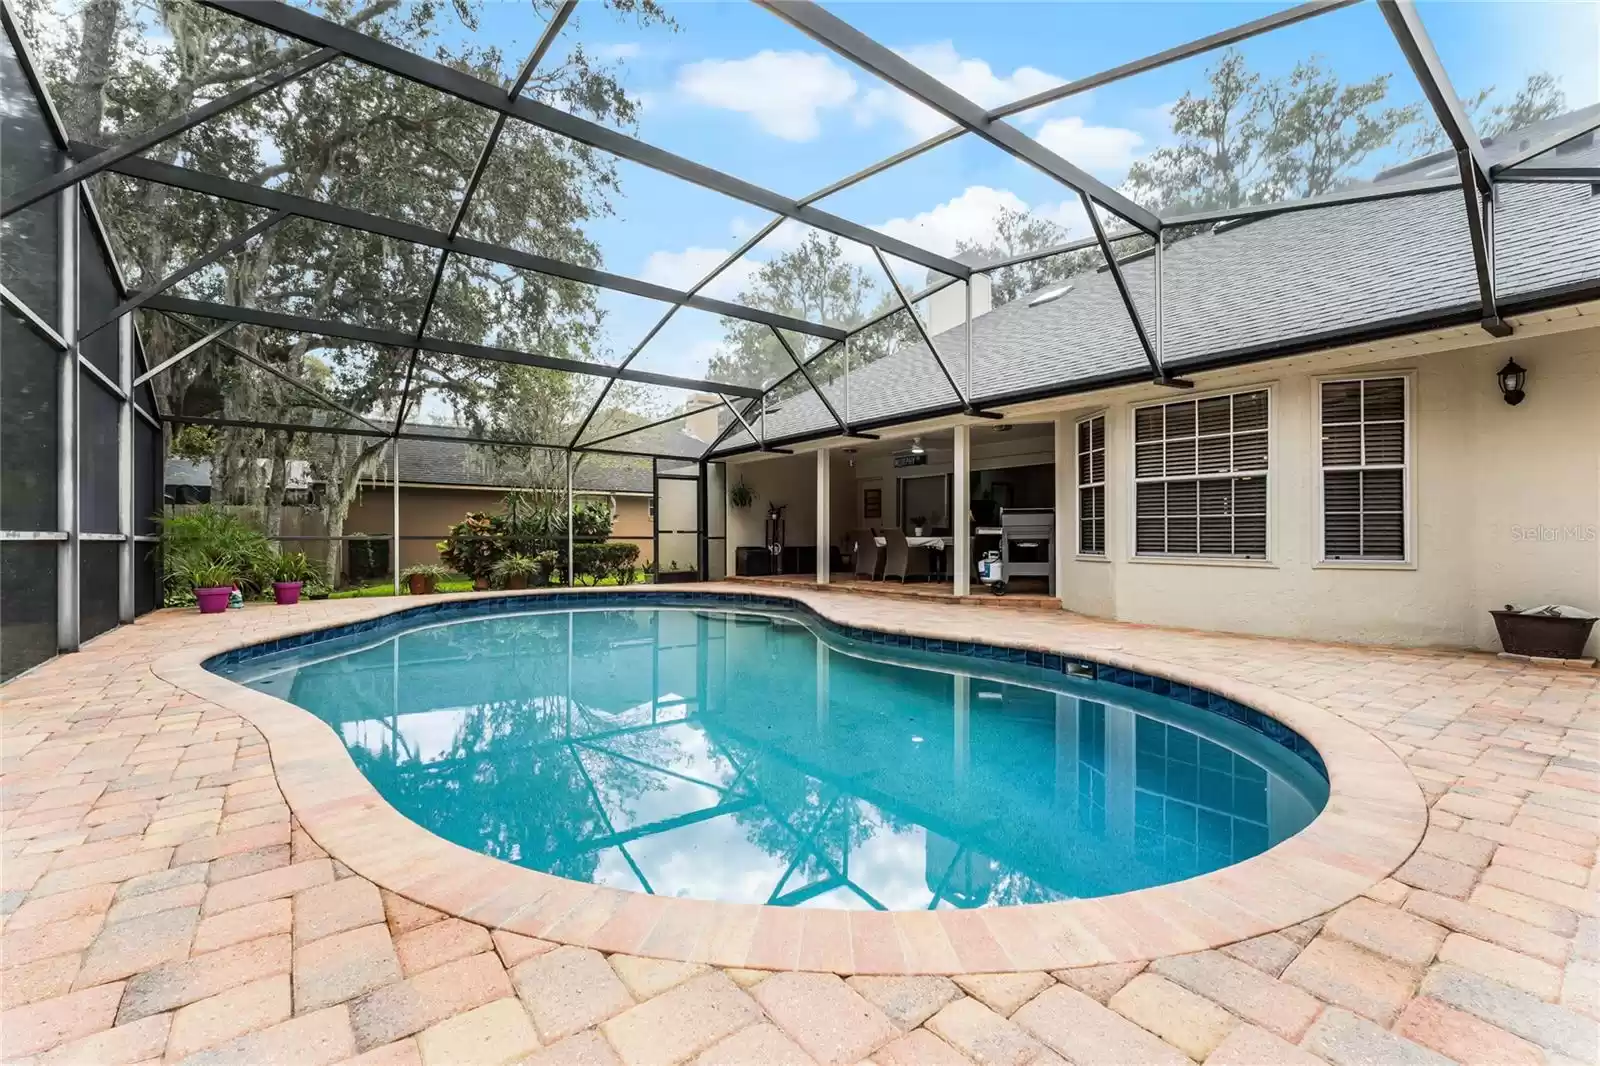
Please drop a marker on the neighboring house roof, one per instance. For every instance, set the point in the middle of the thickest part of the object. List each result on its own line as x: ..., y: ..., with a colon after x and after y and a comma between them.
x: 429, y: 462
x: 1246, y: 290
x: 438, y: 462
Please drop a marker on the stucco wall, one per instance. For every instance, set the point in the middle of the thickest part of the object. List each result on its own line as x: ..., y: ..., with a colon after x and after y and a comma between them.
x: 430, y: 512
x: 1506, y: 506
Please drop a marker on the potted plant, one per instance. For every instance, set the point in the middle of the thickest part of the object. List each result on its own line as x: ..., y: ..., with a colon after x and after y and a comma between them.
x: 514, y: 571
x: 290, y: 572
x: 917, y: 524
x: 423, y: 578
x: 741, y: 495
x: 212, y: 581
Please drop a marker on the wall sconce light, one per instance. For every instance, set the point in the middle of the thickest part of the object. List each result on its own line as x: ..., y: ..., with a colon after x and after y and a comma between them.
x: 1511, y: 378
x: 916, y: 446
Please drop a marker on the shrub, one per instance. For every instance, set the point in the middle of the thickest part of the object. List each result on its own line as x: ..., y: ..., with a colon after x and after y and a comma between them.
x: 294, y: 566
x: 209, y: 535
x: 473, y: 545
x: 205, y: 572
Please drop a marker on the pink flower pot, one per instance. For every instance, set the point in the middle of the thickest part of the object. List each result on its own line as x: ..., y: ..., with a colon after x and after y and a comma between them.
x: 213, y: 601
x: 286, y: 592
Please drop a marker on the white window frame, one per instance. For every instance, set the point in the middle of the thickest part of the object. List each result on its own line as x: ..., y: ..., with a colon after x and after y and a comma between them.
x: 1103, y: 484
x: 1408, y: 479
x: 1270, y: 472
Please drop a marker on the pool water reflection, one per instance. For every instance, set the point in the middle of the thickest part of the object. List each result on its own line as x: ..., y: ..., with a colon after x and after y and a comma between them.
x: 745, y: 756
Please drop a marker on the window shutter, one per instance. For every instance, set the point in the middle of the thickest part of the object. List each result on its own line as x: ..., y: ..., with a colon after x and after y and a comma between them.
x: 1363, y: 424
x: 1199, y: 473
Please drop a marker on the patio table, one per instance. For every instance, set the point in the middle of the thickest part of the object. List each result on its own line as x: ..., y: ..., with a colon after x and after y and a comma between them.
x: 936, y: 543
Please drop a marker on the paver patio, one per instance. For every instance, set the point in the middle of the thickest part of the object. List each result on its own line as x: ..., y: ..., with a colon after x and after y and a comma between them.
x: 162, y: 901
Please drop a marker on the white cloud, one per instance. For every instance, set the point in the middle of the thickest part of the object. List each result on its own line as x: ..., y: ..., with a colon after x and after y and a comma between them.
x: 784, y: 92
x: 972, y: 78
x: 619, y: 50
x: 970, y: 218
x: 680, y: 270
x: 1096, y: 148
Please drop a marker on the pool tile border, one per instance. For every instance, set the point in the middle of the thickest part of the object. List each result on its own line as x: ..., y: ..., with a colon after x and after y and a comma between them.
x: 1373, y: 820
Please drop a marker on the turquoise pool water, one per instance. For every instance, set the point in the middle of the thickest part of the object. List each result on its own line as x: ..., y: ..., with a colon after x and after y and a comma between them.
x: 751, y: 755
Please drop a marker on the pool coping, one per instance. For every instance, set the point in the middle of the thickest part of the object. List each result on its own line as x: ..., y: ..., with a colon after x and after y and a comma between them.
x: 1374, y: 818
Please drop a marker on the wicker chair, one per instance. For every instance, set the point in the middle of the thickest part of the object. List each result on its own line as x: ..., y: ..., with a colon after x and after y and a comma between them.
x: 896, y: 555
x: 868, y: 556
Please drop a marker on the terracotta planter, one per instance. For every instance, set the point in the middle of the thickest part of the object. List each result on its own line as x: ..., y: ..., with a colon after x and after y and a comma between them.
x: 517, y: 581
x: 213, y: 601
x: 421, y: 584
x: 286, y: 593
x: 480, y: 583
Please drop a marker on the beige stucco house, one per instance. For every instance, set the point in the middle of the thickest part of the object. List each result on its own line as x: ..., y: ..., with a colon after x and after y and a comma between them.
x: 1341, y: 465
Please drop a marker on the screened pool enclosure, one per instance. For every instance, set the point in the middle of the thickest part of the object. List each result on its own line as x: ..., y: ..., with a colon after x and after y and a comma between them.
x: 281, y: 242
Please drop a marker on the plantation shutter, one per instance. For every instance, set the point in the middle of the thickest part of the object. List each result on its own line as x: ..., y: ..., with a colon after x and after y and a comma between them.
x: 1200, y: 477
x: 1364, y: 469
x: 1092, y: 486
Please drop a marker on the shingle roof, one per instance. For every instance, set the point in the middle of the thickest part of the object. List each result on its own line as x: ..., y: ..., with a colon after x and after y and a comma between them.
x: 1250, y: 289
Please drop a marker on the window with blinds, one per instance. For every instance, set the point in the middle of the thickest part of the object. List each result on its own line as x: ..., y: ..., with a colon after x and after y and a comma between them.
x: 1200, y: 477
x: 1364, y: 469
x: 1092, y: 486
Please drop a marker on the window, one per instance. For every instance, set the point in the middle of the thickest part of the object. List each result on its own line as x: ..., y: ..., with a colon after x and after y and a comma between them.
x: 1200, y: 477
x: 1364, y: 469
x: 1092, y: 486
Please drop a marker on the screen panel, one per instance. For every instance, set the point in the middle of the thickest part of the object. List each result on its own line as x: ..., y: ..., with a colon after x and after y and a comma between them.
x: 27, y: 604
x: 30, y: 431
x: 98, y: 594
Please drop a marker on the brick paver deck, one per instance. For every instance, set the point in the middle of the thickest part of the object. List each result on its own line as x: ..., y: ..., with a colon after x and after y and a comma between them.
x: 162, y: 902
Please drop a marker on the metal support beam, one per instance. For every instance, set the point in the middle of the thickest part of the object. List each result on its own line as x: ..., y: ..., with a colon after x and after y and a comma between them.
x: 295, y: 22
x: 1549, y: 142
x: 961, y: 510
x: 905, y: 302
x: 67, y: 559
x: 570, y: 524
x: 240, y: 353
x: 125, y: 472
x: 31, y: 317
x: 139, y: 299
x: 1406, y: 25
x: 107, y: 157
x: 839, y: 36
x: 742, y: 421
x: 783, y: 341
x: 1221, y: 39
x: 824, y: 516
x: 631, y: 430
x: 1550, y: 176
x: 1158, y: 372
x: 349, y: 218
x: 1358, y: 195
x: 394, y: 339
x: 183, y: 354
x: 394, y: 503
x: 1480, y: 229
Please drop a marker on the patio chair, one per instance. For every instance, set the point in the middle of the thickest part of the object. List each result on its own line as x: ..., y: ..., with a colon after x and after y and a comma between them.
x: 868, y: 556
x: 896, y: 555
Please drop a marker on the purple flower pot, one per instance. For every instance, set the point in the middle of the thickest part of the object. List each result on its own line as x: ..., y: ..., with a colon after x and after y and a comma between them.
x: 213, y: 601
x: 286, y: 592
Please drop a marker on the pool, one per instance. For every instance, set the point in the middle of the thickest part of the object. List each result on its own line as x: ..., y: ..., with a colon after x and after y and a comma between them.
x: 755, y: 754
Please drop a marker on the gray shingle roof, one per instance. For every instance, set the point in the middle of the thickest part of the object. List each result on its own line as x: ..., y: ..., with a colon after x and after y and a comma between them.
x: 1272, y: 284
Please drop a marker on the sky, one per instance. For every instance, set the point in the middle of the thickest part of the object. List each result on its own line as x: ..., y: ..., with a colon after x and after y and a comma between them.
x: 738, y: 89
